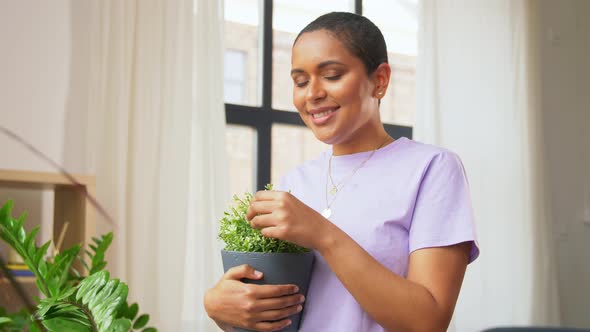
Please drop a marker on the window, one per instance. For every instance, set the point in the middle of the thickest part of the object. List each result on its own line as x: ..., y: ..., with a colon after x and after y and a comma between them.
x: 234, y: 77
x: 266, y: 137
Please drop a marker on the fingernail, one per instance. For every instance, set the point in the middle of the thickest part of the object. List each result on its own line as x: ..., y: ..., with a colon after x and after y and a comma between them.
x: 299, y: 308
x: 301, y: 298
x: 295, y: 289
x: 257, y: 273
x: 288, y: 323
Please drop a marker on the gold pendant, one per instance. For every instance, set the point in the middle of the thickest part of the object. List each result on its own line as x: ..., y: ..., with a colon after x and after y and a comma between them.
x: 334, y: 190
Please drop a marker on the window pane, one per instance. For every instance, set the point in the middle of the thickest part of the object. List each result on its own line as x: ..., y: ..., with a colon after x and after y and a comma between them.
x: 240, y: 143
x: 234, y: 76
x: 289, y: 17
x: 242, y: 53
x: 291, y: 146
x: 398, y: 20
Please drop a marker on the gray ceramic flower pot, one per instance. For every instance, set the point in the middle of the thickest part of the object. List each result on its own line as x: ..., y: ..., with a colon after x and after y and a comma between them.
x: 278, y: 269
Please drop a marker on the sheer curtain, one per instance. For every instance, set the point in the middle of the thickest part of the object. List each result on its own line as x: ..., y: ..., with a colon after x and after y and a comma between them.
x: 156, y: 142
x: 478, y: 95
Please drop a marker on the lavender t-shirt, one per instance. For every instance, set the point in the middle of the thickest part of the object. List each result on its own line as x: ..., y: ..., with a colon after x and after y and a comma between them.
x: 407, y: 196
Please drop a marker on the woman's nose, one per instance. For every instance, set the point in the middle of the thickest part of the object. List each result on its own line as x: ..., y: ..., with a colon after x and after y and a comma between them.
x: 315, y: 90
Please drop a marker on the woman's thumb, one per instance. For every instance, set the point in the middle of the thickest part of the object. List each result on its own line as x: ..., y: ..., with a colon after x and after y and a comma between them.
x: 243, y: 271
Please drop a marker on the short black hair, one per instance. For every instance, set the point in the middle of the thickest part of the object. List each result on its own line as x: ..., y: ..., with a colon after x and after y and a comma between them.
x: 358, y: 34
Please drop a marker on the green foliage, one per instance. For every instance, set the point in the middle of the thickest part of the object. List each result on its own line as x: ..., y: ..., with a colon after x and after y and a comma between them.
x: 238, y: 235
x: 91, y: 305
x: 97, y: 255
x: 74, y: 303
x: 17, y: 322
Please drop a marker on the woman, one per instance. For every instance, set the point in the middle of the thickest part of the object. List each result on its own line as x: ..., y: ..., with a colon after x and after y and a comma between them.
x: 390, y: 221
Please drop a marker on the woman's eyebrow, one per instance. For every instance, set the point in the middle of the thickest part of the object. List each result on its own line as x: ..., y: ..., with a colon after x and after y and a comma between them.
x: 320, y: 66
x: 329, y: 62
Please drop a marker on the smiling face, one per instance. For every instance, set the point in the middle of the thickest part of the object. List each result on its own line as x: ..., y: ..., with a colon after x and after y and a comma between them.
x: 332, y: 91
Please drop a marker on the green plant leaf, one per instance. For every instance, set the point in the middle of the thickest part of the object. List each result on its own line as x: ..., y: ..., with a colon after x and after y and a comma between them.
x: 94, y: 302
x: 4, y: 320
x: 61, y: 325
x: 141, y: 321
x: 14, y: 234
x: 120, y: 325
x: 5, y: 212
x: 149, y: 329
x: 99, y: 249
x: 59, y: 272
x: 132, y: 313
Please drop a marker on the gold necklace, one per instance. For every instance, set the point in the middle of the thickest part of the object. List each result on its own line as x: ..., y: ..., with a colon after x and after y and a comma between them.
x: 327, y: 212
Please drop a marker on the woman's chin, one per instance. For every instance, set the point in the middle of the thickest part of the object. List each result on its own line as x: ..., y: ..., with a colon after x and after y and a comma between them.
x: 325, y: 136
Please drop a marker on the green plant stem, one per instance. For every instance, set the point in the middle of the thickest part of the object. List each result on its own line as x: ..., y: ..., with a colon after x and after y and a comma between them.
x: 30, y: 307
x: 93, y: 324
x: 16, y: 245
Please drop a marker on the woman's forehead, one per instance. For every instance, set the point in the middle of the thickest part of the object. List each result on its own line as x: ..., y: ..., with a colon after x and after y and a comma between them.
x: 318, y: 46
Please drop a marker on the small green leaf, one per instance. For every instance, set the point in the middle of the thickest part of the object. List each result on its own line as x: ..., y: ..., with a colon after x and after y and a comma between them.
x: 4, y: 320
x: 141, y: 321
x: 149, y: 329
x: 132, y: 313
x: 30, y: 239
x: 120, y: 325
x: 42, y: 269
x: 6, y: 211
x: 41, y: 252
x: 22, y: 235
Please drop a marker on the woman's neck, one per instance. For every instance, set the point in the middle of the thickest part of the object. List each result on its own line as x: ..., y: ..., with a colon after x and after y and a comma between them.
x: 373, y: 140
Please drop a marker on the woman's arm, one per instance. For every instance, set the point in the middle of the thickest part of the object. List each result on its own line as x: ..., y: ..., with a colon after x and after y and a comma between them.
x: 423, y: 302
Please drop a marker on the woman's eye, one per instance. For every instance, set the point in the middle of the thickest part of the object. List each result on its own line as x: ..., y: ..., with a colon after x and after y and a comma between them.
x: 333, y: 77
x: 301, y: 84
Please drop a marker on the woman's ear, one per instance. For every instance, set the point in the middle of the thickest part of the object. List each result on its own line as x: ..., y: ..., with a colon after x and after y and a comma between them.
x: 380, y: 78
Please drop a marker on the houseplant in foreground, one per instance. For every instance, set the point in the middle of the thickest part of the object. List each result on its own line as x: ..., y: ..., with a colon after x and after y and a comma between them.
x: 281, y: 262
x: 70, y: 301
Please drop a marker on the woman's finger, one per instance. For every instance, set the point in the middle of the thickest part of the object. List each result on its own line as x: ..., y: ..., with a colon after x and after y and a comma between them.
x: 272, y: 315
x: 278, y: 303
x: 273, y: 232
x: 273, y: 291
x: 263, y: 221
x: 267, y: 195
x: 243, y: 271
x: 272, y: 326
x: 261, y: 207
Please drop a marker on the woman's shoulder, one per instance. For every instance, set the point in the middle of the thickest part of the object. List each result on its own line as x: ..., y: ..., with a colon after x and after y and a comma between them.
x: 415, y: 154
x: 423, y: 150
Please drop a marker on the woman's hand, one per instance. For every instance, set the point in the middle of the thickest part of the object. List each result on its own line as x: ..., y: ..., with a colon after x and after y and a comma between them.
x: 280, y: 215
x: 255, y: 307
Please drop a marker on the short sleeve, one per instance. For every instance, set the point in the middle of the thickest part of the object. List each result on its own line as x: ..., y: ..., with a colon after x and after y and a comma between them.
x: 443, y: 214
x: 283, y: 184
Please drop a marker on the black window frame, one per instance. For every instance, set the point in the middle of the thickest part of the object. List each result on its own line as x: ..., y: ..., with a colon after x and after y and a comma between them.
x: 263, y: 117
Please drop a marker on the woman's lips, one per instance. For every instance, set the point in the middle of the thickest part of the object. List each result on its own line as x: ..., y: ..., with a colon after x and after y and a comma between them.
x: 320, y: 117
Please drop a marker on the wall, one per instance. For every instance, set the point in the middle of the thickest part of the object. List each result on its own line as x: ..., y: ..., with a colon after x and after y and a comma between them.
x: 565, y: 90
x: 42, y: 92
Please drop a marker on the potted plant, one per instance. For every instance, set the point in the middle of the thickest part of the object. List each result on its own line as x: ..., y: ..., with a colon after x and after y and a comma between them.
x: 71, y: 301
x: 281, y: 262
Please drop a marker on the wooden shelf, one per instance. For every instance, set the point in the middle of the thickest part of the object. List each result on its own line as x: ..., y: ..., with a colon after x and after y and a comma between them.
x: 69, y: 205
x: 70, y: 202
x: 20, y: 280
x: 31, y: 179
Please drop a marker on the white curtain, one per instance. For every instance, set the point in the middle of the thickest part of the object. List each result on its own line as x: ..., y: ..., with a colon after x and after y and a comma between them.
x: 478, y: 95
x: 156, y: 142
